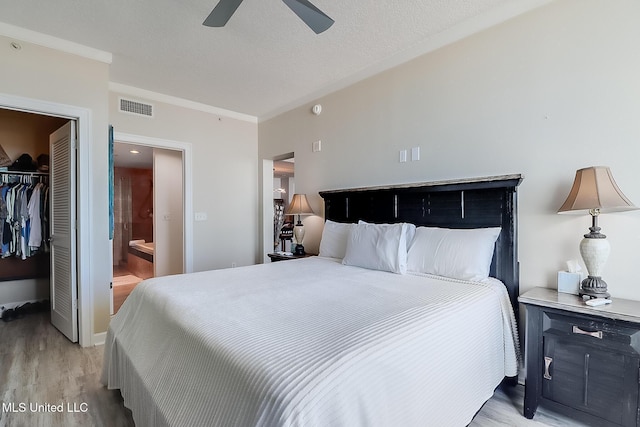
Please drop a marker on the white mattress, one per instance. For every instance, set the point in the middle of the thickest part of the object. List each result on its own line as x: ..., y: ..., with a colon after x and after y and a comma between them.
x: 309, y: 343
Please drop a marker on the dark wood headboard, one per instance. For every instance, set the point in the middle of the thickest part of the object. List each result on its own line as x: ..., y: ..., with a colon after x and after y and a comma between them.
x: 466, y: 203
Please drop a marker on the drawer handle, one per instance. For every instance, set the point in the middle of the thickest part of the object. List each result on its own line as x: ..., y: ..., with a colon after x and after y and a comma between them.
x: 547, y: 364
x: 596, y: 334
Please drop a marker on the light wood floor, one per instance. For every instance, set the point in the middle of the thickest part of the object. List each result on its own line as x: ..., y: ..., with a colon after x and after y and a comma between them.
x: 38, y: 365
x: 122, y: 287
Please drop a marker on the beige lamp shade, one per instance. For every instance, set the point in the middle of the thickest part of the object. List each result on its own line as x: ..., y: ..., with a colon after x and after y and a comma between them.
x: 595, y: 191
x: 595, y: 188
x: 299, y: 206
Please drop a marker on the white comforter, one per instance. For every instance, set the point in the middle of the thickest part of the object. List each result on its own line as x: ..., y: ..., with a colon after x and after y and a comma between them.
x: 309, y: 343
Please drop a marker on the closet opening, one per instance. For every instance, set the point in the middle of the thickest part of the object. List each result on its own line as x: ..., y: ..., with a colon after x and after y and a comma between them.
x: 25, y: 249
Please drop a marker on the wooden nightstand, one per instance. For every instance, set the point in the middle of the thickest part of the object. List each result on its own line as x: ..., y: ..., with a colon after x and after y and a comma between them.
x: 280, y: 257
x: 582, y: 361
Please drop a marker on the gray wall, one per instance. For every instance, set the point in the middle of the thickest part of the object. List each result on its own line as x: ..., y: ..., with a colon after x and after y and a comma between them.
x: 544, y: 94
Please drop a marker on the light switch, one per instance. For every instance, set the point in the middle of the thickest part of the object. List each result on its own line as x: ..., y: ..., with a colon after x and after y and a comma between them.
x: 415, y: 154
x: 403, y: 156
x: 316, y: 146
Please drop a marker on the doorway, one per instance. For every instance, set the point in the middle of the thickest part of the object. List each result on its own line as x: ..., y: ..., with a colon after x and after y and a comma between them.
x: 152, y: 212
x: 283, y: 189
x: 25, y: 273
x: 278, y: 182
x: 133, y: 242
x: 78, y: 313
x: 38, y: 212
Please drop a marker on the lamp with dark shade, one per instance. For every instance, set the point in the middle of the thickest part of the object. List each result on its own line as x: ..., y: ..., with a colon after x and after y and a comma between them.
x: 594, y: 191
x: 299, y: 206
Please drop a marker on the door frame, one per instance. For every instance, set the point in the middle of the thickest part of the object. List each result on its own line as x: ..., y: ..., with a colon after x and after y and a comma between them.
x: 187, y: 179
x: 85, y: 230
x: 267, y: 210
x: 267, y: 204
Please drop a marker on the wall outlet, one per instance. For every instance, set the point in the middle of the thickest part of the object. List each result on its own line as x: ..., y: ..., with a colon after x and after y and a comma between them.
x: 233, y: 265
x: 201, y: 216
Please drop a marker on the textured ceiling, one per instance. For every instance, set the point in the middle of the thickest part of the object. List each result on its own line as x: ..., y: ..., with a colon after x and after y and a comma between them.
x: 265, y: 60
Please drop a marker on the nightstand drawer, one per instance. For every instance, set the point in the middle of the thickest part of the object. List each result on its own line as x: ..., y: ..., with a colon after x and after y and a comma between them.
x: 593, y: 331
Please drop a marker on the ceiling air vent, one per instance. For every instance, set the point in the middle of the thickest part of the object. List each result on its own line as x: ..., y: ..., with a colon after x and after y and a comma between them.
x: 137, y: 108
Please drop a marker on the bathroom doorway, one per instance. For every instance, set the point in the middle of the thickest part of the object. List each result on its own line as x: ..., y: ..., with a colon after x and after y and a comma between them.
x: 133, y: 243
x: 151, y: 211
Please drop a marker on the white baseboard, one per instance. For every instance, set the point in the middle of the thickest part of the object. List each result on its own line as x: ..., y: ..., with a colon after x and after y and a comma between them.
x: 99, y: 338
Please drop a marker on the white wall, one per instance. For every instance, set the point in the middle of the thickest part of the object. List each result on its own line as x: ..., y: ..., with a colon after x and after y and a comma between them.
x: 544, y: 94
x: 224, y: 174
x: 20, y: 291
x: 52, y: 77
x: 224, y: 161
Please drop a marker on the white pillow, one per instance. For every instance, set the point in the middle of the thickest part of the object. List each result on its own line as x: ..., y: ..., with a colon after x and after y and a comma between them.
x: 378, y: 247
x: 457, y: 253
x: 410, y: 231
x: 334, y: 239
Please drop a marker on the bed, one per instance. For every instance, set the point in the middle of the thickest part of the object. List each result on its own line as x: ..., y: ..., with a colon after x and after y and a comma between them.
x: 322, y: 341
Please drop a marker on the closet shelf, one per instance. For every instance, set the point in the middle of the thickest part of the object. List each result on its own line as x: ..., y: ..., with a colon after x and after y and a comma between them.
x: 36, y: 266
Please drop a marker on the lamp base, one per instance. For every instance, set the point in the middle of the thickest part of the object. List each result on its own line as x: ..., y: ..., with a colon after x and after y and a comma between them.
x: 594, y: 287
x: 299, y: 250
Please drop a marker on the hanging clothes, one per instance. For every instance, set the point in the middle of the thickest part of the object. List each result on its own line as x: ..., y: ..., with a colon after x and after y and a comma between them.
x: 3, y: 218
x: 35, y: 236
x: 23, y: 218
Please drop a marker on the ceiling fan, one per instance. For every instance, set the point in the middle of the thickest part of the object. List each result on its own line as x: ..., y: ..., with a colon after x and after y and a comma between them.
x: 311, y: 15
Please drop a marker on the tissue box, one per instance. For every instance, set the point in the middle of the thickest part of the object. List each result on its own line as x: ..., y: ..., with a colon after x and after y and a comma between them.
x: 569, y: 282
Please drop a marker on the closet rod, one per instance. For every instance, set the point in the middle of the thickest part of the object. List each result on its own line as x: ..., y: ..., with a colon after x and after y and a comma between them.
x: 23, y: 177
x: 24, y: 173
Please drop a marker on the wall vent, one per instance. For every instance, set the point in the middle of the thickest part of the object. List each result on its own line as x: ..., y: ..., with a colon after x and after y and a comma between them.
x: 135, y: 107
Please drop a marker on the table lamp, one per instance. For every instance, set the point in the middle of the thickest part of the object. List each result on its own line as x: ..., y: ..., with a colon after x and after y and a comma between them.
x: 595, y: 191
x: 299, y: 206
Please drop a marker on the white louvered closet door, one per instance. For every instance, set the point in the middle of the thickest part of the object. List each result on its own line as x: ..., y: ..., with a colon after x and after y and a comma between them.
x: 62, y: 219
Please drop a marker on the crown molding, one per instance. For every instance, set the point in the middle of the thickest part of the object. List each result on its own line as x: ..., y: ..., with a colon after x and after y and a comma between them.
x: 51, y: 42
x: 180, y: 102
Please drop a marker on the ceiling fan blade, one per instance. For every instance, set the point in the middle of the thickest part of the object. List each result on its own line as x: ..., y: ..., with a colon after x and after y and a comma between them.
x: 311, y: 15
x: 221, y: 13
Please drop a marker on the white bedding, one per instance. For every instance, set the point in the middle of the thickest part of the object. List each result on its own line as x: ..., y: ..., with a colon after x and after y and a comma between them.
x: 309, y: 342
